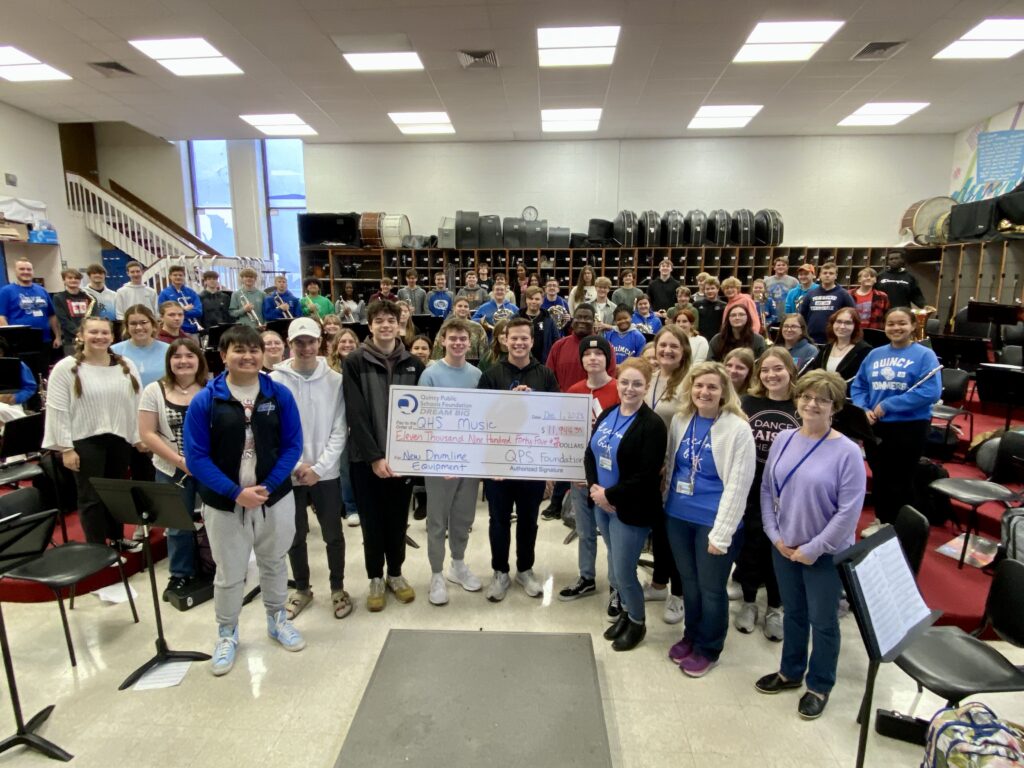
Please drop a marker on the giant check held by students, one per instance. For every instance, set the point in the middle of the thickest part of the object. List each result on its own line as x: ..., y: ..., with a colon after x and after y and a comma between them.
x: 484, y: 433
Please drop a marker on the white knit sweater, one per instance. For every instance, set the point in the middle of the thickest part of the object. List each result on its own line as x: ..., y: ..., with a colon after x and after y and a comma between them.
x: 732, y: 445
x: 108, y: 405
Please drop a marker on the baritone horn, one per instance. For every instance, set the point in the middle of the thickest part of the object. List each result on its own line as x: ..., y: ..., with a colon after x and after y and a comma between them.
x: 921, y: 321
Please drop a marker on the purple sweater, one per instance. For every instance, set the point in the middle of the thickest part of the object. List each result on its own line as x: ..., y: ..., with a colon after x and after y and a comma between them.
x: 822, y: 501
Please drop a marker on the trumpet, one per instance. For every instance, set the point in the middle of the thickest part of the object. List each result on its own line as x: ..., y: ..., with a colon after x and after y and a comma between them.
x: 183, y: 300
x: 313, y: 311
x: 282, y: 306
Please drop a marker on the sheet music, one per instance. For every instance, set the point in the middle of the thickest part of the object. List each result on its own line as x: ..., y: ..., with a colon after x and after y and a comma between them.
x: 165, y: 675
x: 894, y: 604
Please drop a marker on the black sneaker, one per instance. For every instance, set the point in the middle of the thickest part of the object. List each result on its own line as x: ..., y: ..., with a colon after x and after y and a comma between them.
x: 774, y: 683
x: 581, y: 588
x: 176, y: 584
x: 812, y: 706
x: 552, y: 511
x: 419, y: 511
x: 614, y: 606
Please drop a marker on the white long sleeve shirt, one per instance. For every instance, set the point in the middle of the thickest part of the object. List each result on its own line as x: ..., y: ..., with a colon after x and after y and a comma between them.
x: 322, y: 413
x: 108, y: 405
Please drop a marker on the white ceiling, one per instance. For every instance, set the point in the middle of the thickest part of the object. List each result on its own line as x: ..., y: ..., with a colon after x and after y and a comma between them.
x: 672, y: 57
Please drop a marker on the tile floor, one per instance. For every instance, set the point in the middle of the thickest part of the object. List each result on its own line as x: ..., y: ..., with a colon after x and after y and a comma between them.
x: 282, y: 709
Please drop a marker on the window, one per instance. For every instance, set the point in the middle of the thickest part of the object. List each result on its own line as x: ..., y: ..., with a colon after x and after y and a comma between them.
x: 286, y: 199
x: 211, y: 194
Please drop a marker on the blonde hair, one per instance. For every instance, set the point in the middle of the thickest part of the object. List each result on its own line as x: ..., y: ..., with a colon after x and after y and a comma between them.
x: 333, y: 355
x: 115, y: 359
x: 746, y: 356
x: 825, y: 382
x: 732, y: 282
x: 757, y: 387
x: 730, y: 402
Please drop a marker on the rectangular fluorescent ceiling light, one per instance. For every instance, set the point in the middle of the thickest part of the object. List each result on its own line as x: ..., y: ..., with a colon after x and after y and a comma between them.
x: 422, y: 122
x: 991, y: 39
x: 18, y: 67
x: 383, y: 62
x: 187, y: 56
x: 724, y: 116
x: 286, y: 130
x: 786, y: 40
x: 883, y: 113
x: 576, y: 46
x: 570, y: 120
x: 288, y: 124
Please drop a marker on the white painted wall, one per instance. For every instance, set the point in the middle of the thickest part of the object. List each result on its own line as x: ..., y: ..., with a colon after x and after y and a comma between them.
x: 30, y: 149
x: 831, y: 190
x: 150, y: 167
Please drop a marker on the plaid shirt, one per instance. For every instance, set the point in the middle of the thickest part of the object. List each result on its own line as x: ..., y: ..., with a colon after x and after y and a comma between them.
x: 879, y: 306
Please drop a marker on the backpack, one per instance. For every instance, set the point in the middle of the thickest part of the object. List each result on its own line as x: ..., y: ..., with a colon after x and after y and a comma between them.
x: 973, y: 737
x: 1011, y: 534
x: 935, y: 506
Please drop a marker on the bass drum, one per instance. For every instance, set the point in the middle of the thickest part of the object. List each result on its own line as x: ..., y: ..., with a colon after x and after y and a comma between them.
x: 537, y: 233
x: 768, y: 227
x: 672, y: 228
x: 394, y: 227
x: 446, y: 232
x: 467, y: 229
x: 490, y: 232
x: 624, y: 229
x: 649, y: 230
x: 370, y: 229
x: 741, y: 229
x: 694, y: 226
x: 718, y: 228
x: 921, y: 221
x: 513, y: 232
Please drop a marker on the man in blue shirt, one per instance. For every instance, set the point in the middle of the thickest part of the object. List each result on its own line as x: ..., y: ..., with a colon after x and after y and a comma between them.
x: 819, y: 303
x: 805, y: 278
x: 439, y: 300
x: 275, y: 304
x: 184, y: 296
x: 25, y: 303
x: 485, y: 313
x: 551, y: 297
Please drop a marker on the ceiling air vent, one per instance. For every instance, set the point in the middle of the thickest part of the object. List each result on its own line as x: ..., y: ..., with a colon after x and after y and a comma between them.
x: 112, y: 69
x: 478, y: 59
x: 878, y: 51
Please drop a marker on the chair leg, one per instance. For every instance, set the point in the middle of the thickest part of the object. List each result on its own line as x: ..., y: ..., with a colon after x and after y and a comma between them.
x: 71, y: 593
x: 67, y: 629
x: 972, y: 526
x: 127, y: 590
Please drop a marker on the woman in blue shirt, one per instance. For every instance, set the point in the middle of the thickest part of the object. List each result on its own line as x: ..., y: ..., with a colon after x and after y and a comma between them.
x: 896, y: 385
x: 796, y: 341
x: 623, y: 469
x: 710, y: 466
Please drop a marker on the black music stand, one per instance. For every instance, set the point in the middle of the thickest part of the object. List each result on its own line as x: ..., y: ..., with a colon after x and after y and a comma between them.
x: 885, y: 600
x: 875, y: 337
x: 214, y: 333
x: 147, y: 504
x: 26, y: 342
x: 997, y: 315
x: 22, y: 539
x: 280, y: 327
x: 964, y: 352
x: 1001, y: 384
x: 361, y: 330
x: 10, y: 375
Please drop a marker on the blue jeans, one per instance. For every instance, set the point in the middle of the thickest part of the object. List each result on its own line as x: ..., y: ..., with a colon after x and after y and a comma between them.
x: 586, y: 529
x: 625, y: 543
x: 181, y: 545
x: 705, y: 600
x: 348, y: 496
x: 810, y: 597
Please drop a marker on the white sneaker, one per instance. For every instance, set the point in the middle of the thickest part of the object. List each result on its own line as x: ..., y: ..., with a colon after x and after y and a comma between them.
x: 734, y: 590
x: 352, y: 521
x: 498, y: 587
x: 653, y: 594
x: 872, y: 529
x: 460, y: 574
x: 673, y: 610
x: 438, y: 590
x: 139, y: 534
x: 773, y: 625
x: 746, y: 619
x: 529, y: 583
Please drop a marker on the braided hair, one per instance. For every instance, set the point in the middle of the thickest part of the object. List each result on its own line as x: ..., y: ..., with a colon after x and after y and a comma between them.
x: 115, y: 359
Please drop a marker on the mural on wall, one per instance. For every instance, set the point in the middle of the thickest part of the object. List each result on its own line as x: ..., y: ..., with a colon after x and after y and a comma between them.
x: 988, y: 157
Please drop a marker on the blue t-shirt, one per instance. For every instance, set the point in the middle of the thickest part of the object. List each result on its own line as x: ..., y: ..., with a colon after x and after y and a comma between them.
x: 817, y: 307
x: 150, y: 361
x: 652, y: 320
x: 628, y: 344
x: 440, y: 374
x: 439, y: 303
x: 187, y: 296
x: 27, y: 305
x: 700, y: 506
x: 604, y: 444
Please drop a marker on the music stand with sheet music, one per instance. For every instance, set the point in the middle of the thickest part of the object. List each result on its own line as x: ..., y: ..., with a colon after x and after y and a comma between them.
x: 890, y: 612
x: 147, y: 504
x: 964, y: 352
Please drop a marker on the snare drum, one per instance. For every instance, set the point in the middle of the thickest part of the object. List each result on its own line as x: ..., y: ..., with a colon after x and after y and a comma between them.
x: 393, y: 228
x: 370, y: 228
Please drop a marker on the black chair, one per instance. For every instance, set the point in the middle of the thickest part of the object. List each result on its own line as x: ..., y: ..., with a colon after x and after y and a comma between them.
x: 954, y: 390
x: 955, y: 664
x: 62, y: 567
x: 1011, y: 355
x: 22, y: 437
x: 974, y: 493
x: 912, y: 529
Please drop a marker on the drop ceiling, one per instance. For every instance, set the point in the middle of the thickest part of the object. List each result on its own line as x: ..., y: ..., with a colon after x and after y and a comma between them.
x: 672, y: 58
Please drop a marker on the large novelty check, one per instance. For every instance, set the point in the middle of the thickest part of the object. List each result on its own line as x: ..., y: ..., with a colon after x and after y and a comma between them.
x: 487, y: 433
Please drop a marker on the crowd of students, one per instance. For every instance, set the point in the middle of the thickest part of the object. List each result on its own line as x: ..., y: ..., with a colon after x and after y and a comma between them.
x: 719, y: 447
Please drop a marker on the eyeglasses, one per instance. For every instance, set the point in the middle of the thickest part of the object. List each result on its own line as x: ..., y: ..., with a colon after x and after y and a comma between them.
x: 808, y: 398
x: 842, y: 322
x: 138, y: 323
x: 792, y: 328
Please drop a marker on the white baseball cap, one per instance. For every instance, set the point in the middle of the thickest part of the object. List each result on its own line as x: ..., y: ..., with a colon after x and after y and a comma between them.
x: 303, y: 326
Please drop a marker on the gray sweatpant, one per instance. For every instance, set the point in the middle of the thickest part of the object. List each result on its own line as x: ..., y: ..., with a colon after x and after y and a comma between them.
x: 269, y: 531
x: 451, y: 507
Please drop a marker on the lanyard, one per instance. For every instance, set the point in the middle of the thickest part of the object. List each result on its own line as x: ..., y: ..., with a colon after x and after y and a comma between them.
x: 615, y: 428
x: 775, y: 483
x: 695, y: 454
x: 654, y: 389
